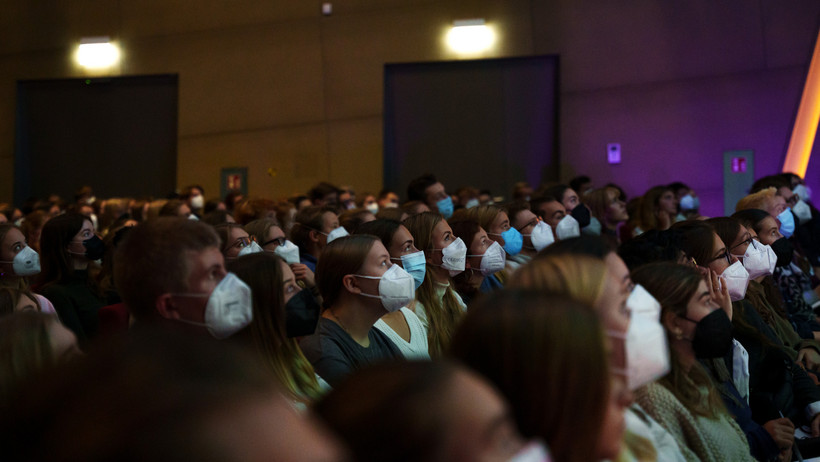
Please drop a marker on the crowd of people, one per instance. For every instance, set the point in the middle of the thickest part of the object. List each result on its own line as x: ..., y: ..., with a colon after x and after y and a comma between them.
x: 566, y: 322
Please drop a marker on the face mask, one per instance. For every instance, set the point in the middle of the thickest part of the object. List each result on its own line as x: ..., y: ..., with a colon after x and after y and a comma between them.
x: 803, y: 211
x: 396, y: 288
x: 229, y: 307
x: 541, y: 236
x: 454, y: 257
x: 581, y: 215
x: 197, y: 202
x: 336, y: 233
x: 593, y: 228
x: 302, y: 313
x: 193, y: 217
x: 94, y: 223
x: 689, y: 202
x: 391, y: 205
x: 736, y: 279
x: 416, y: 265
x: 445, y: 207
x: 288, y: 252
x: 567, y: 228
x: 786, y: 222
x: 784, y: 249
x: 532, y: 452
x: 713, y: 335
x: 26, y: 262
x: 759, y: 260
x: 94, y: 248
x: 803, y: 191
x: 249, y: 249
x: 471, y: 203
x: 493, y: 259
x: 513, y: 240
x: 372, y: 208
x: 647, y: 355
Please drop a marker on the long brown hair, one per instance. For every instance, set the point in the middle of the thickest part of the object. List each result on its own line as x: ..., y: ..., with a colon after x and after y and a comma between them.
x: 673, y: 286
x: 25, y: 349
x: 444, y: 316
x: 546, y: 354
x: 57, y: 235
x: 263, y: 273
x: 341, y: 257
x: 578, y: 276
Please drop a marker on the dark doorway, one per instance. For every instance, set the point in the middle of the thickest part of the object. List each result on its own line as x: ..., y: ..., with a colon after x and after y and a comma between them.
x: 484, y: 123
x: 118, y: 135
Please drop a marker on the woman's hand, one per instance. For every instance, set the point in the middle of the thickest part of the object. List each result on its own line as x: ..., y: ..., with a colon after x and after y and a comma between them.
x: 808, y: 358
x: 782, y: 431
x: 720, y: 293
x: 304, y: 274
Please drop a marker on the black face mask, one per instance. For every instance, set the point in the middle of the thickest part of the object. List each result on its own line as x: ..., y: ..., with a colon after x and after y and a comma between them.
x: 581, y: 215
x: 784, y: 249
x: 302, y: 313
x: 713, y: 335
x: 94, y: 248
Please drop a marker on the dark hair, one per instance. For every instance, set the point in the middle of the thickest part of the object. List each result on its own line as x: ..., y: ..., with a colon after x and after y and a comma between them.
x: 516, y: 207
x: 546, y: 354
x: 215, y: 217
x: 696, y: 239
x: 309, y: 219
x: 417, y: 187
x: 58, y: 233
x: 677, y: 186
x: 391, y: 213
x: 726, y: 228
x: 392, y: 411
x: 341, y: 257
x: 466, y: 229
x: 223, y: 230
x: 576, y: 182
x: 153, y: 260
x: 25, y: 351
x: 557, y: 191
x: 171, y: 208
x: 775, y: 181
x: 593, y: 246
x: 751, y: 218
x: 189, y: 190
x: 321, y: 190
x: 651, y: 246
x: 383, y: 229
x: 10, y: 296
x: 536, y: 203
x: 253, y: 208
x: 352, y: 219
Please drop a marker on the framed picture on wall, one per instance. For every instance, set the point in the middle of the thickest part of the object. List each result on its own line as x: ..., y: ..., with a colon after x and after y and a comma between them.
x: 233, y: 178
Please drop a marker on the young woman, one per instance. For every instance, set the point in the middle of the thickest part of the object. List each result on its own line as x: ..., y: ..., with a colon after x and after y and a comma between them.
x: 657, y: 210
x: 437, y: 304
x: 495, y: 221
x: 403, y: 327
x: 547, y: 355
x: 18, y: 263
x: 535, y: 233
x: 606, y: 205
x: 484, y: 258
x: 686, y: 401
x: 359, y: 285
x: 282, y: 311
x: 272, y: 239
x: 70, y: 246
x: 313, y: 228
x: 235, y: 241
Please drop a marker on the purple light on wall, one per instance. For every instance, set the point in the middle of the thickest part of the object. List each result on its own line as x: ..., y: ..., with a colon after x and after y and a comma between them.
x: 738, y: 164
x: 613, y: 153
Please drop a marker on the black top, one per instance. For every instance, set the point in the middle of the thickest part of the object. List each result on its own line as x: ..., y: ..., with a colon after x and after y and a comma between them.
x: 77, y: 305
x: 334, y: 354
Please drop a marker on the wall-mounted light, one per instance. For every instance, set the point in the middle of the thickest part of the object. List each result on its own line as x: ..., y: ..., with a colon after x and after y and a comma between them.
x: 97, y: 53
x: 469, y: 36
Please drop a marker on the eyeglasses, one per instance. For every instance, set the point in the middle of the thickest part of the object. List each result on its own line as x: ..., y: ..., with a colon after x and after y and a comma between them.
x: 725, y: 255
x: 243, y: 242
x: 280, y: 241
x: 532, y: 222
x: 747, y: 242
x: 792, y: 201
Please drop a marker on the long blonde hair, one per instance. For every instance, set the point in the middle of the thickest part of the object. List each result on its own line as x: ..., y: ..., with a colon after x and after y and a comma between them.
x: 578, y: 276
x: 444, y: 316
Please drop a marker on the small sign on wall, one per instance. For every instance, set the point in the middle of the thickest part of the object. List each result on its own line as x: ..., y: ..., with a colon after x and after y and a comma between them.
x: 738, y: 164
x: 233, y: 178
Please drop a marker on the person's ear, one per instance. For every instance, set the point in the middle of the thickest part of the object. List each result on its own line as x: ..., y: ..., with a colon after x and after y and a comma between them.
x: 314, y: 236
x: 351, y: 284
x: 166, y: 307
x: 672, y: 324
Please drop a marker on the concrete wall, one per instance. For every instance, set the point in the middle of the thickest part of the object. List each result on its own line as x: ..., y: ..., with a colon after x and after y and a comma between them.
x: 275, y: 84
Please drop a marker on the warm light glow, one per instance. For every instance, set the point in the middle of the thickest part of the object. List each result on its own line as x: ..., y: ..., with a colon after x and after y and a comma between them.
x: 97, y: 53
x: 470, y: 36
x: 805, y: 124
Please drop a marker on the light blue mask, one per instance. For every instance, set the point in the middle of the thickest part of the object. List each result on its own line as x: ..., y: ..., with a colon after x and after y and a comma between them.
x: 689, y: 202
x: 415, y: 264
x: 472, y: 203
x: 445, y: 207
x: 786, y: 222
x: 513, y: 241
x: 593, y: 228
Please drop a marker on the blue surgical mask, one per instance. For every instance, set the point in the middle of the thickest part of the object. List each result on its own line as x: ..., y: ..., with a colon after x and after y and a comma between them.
x: 445, y: 207
x: 416, y: 264
x: 689, y: 202
x: 786, y: 222
x: 472, y: 203
x: 513, y: 241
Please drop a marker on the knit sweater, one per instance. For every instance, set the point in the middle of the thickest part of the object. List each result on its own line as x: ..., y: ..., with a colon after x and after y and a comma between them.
x: 699, y: 438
